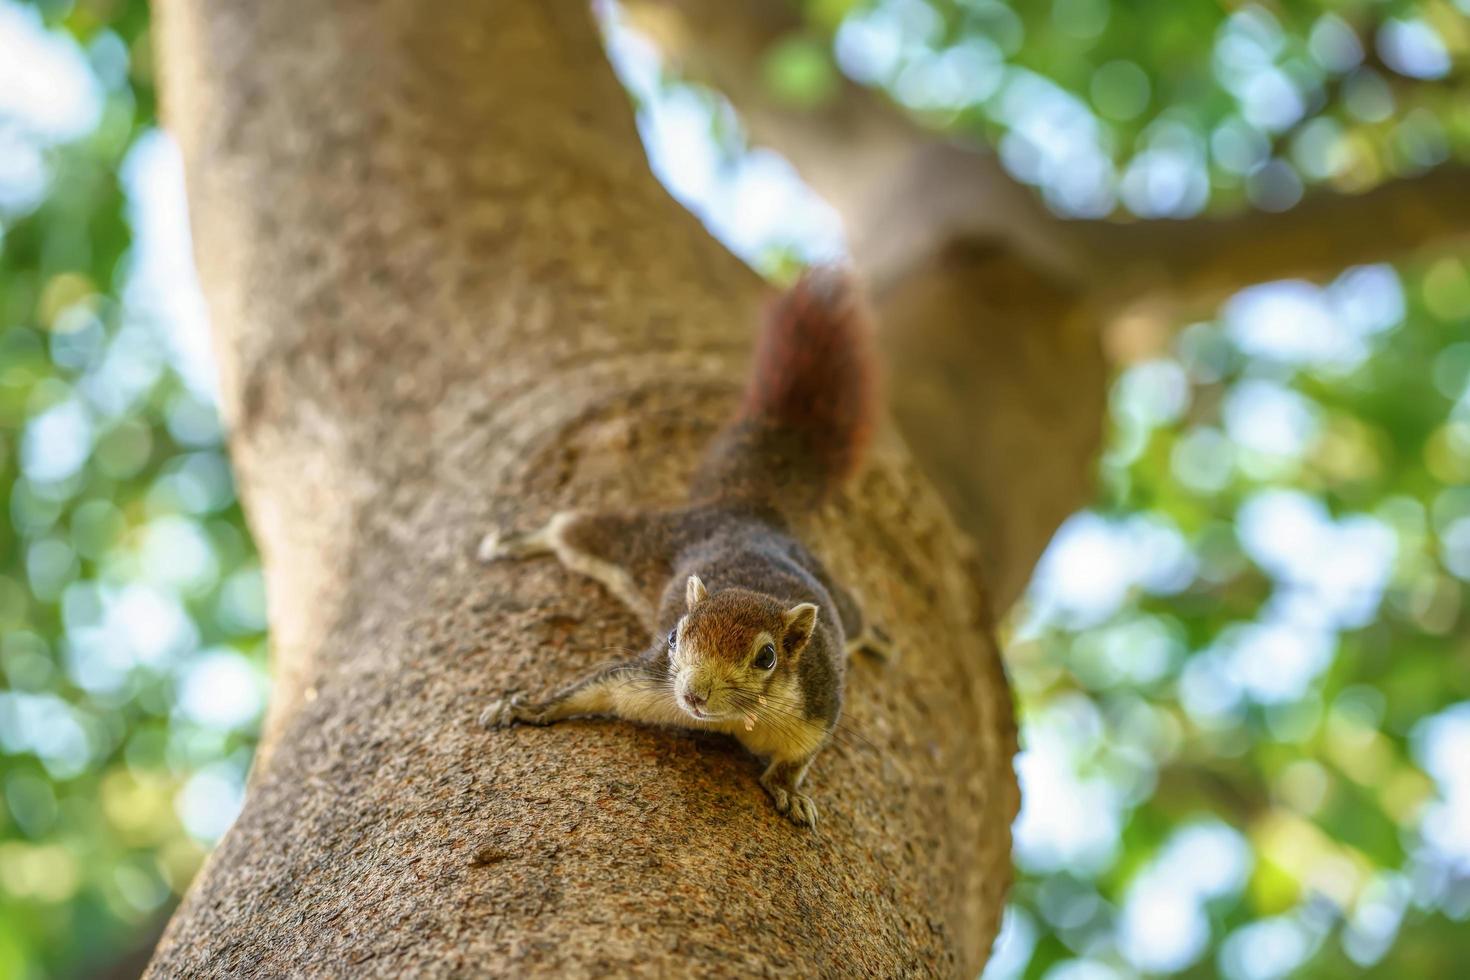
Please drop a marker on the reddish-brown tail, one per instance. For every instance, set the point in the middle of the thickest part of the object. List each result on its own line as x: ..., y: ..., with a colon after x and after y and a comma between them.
x: 809, y: 408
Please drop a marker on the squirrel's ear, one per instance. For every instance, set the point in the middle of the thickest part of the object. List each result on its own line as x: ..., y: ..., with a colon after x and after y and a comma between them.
x: 798, y: 621
x: 694, y: 592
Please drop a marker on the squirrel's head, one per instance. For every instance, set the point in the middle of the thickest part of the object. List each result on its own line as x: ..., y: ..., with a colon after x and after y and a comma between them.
x: 734, y: 648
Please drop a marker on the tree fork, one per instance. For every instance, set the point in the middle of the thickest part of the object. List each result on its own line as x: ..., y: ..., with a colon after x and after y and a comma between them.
x: 987, y: 317
x: 448, y: 295
x: 1019, y: 298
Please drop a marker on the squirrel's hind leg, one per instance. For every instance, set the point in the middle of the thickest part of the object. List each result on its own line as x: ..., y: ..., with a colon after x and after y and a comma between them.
x: 616, y: 550
x: 499, y: 546
x: 862, y: 636
x: 872, y: 642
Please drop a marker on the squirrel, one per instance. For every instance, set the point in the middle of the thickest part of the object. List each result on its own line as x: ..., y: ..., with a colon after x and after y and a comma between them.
x: 751, y: 634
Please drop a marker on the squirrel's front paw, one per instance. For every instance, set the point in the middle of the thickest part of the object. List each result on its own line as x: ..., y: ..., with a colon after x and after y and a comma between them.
x: 797, y: 806
x: 802, y: 810
x: 503, y: 713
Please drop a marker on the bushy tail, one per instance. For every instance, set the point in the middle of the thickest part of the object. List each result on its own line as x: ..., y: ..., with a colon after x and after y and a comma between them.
x: 811, y: 402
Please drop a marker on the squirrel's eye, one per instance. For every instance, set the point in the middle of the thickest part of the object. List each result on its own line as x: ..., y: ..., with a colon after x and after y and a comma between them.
x: 673, y: 637
x: 766, y: 658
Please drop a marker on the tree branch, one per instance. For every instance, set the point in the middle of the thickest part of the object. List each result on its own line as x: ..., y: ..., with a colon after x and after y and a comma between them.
x: 448, y: 296
x: 903, y: 191
x: 1202, y: 258
x: 864, y: 154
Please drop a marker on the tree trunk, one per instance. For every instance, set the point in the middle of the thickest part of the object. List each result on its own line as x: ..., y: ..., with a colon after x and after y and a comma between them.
x: 449, y: 296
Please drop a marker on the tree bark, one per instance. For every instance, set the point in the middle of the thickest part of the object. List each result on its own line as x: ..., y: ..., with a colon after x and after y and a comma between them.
x: 998, y: 385
x: 448, y: 296
x: 1204, y: 259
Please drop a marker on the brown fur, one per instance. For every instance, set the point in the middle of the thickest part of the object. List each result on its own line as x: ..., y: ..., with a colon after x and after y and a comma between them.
x: 810, y: 404
x: 719, y: 578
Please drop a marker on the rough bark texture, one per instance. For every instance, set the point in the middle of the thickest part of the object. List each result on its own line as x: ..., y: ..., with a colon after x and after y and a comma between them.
x: 447, y: 296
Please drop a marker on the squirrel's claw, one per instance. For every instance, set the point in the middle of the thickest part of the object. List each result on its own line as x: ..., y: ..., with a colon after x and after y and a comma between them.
x: 502, y: 713
x: 489, y: 549
x: 502, y: 545
x: 798, y: 807
x: 875, y: 643
x: 802, y: 810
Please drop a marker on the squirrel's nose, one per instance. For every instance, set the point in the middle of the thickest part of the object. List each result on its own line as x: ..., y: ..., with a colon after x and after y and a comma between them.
x: 694, y: 700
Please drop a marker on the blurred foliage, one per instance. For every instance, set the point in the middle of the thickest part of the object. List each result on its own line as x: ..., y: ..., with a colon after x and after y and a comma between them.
x: 1169, y: 106
x: 1243, y: 673
x: 127, y: 581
